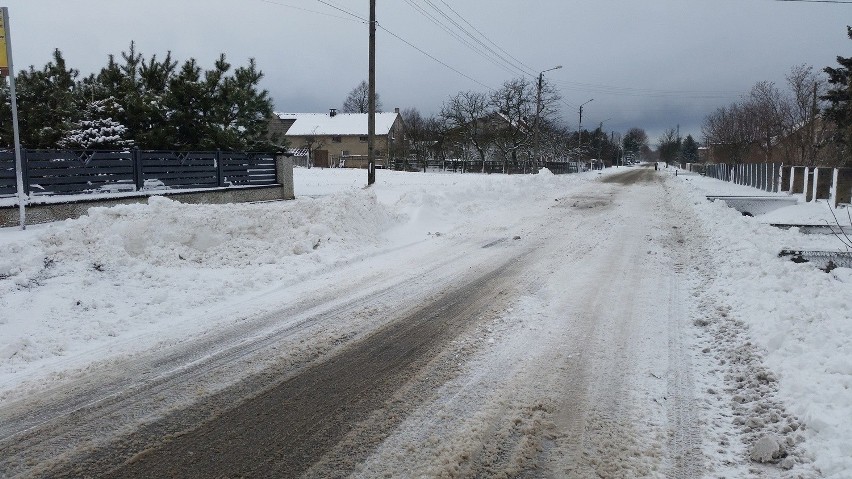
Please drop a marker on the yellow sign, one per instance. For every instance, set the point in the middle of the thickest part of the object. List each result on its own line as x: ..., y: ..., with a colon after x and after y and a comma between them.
x: 4, y: 60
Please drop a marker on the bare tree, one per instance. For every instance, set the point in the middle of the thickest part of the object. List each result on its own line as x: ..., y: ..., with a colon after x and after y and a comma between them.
x: 419, y: 132
x: 769, y: 109
x: 312, y: 143
x: 515, y: 107
x: 465, y: 116
x: 554, y: 138
x: 358, y: 100
x: 437, y: 138
x: 810, y: 134
x: 730, y: 132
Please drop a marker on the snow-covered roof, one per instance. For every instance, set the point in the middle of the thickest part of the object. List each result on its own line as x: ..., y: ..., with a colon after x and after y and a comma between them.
x: 339, y: 124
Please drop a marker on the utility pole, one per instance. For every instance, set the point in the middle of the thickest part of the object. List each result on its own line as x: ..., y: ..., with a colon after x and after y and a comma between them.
x: 371, y: 114
x: 601, y: 140
x: 612, y: 142
x: 678, y: 145
x: 580, y: 134
x: 538, y: 112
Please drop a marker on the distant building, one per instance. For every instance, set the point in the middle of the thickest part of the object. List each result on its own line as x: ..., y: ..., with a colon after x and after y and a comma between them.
x: 340, y: 139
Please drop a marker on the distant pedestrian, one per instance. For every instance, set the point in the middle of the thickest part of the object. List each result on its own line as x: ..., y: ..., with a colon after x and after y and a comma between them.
x: 656, y: 166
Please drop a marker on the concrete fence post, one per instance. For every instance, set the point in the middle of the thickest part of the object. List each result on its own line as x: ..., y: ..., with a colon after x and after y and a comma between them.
x: 814, y: 186
x: 805, y: 183
x: 284, y: 176
x: 792, y: 178
x: 832, y: 197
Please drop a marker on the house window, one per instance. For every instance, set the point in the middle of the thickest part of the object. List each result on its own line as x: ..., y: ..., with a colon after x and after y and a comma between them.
x: 345, y: 153
x: 362, y: 139
x: 336, y: 139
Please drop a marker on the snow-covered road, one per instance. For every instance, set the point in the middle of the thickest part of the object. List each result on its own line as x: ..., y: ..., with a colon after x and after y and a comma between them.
x: 506, y: 327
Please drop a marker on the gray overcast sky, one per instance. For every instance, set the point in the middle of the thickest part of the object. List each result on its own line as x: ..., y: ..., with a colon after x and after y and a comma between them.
x: 647, y: 63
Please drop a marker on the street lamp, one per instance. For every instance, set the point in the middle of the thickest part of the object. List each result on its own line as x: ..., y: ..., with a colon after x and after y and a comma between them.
x: 538, y: 111
x: 580, y: 135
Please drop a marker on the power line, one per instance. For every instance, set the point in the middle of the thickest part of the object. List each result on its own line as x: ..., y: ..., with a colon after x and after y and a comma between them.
x: 430, y: 56
x: 340, y: 9
x: 358, y: 18
x: 486, y: 38
x: 449, y: 30
x: 496, y: 55
x: 510, y: 64
x: 816, y: 1
x: 523, y: 68
x: 379, y: 25
x: 294, y: 7
x: 647, y: 92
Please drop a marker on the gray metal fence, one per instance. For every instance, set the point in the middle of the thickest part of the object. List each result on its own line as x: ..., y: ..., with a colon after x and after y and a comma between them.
x: 58, y: 172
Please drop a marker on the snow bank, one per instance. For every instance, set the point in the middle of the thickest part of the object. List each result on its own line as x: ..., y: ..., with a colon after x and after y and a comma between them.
x: 135, y: 277
x: 800, y: 316
x: 78, y: 290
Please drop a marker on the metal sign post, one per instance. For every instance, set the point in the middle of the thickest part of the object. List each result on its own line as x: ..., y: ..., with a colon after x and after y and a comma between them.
x: 7, y: 69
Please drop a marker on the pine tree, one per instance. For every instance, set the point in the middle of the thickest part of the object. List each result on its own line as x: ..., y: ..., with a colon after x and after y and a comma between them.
x: 246, y: 110
x: 185, y: 100
x: 160, y: 107
x: 46, y: 103
x: 6, y: 137
x: 141, y: 85
x: 839, y: 96
x: 98, y: 130
x: 689, y: 150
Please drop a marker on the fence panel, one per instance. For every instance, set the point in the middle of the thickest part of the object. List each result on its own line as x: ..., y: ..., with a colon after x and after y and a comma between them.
x: 7, y: 173
x: 69, y: 172
x: 179, y: 169
x: 247, y: 169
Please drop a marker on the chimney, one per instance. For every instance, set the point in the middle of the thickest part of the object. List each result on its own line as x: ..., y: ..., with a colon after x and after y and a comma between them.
x: 396, y: 110
x: 332, y: 112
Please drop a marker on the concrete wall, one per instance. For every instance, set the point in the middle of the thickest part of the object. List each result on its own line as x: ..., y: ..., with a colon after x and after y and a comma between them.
x: 48, y: 212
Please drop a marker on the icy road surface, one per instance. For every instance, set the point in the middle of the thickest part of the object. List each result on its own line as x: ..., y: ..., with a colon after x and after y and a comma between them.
x: 567, y: 342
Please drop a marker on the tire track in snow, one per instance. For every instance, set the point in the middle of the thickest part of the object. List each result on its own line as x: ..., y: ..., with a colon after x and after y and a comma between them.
x: 86, y: 415
x: 289, y: 425
x: 685, y: 457
x: 569, y: 388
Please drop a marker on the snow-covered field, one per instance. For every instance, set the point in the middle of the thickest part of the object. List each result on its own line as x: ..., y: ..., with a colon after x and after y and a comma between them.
x: 121, y: 281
